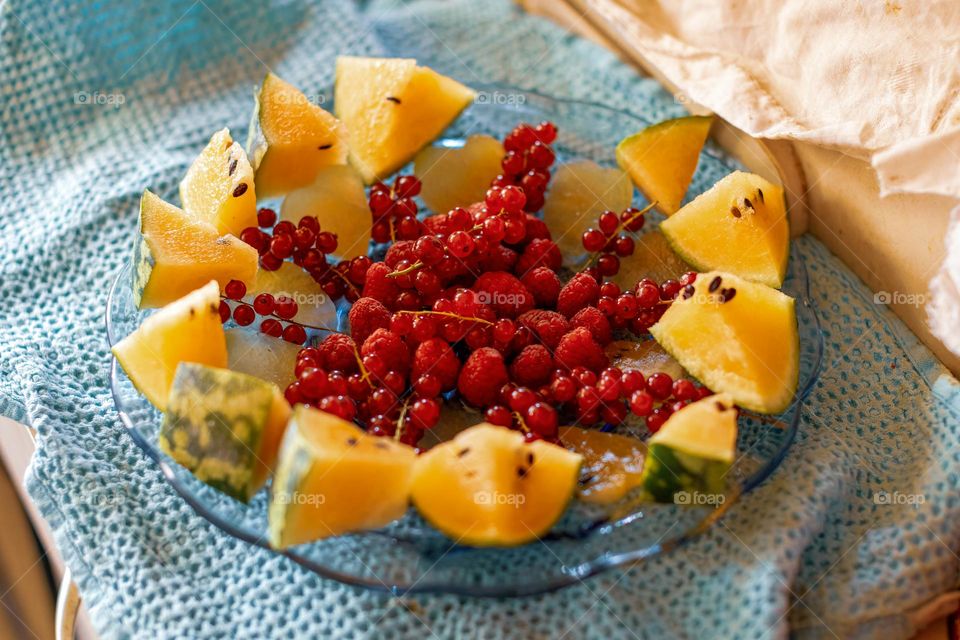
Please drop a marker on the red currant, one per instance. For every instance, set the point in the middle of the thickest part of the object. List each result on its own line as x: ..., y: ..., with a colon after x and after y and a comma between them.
x: 286, y: 307
x: 660, y: 385
x: 641, y: 403
x: 294, y: 333
x: 266, y: 217
x: 243, y: 315
x: 541, y: 418
x: 498, y: 415
x: 608, y: 222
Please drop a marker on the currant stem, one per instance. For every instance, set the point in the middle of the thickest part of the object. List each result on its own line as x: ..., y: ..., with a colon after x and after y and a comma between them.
x: 415, y: 266
x: 523, y: 425
x: 401, y: 419
x: 363, y: 370
x: 286, y: 320
x: 448, y: 314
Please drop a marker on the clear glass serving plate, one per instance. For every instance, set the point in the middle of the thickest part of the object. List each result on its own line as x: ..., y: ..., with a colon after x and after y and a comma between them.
x: 409, y: 556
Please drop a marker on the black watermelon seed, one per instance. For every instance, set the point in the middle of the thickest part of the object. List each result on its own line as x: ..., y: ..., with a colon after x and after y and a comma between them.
x: 240, y: 190
x: 735, y: 211
x: 721, y: 406
x: 715, y: 284
x: 747, y: 203
x: 760, y: 194
x: 529, y: 458
x: 727, y: 294
x: 393, y: 99
x: 232, y: 167
x: 351, y: 442
x: 214, y: 308
x: 463, y: 452
x: 324, y: 147
x: 521, y: 472
x: 688, y: 292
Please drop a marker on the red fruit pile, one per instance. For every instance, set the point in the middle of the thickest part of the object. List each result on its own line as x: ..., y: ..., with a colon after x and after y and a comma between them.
x: 468, y: 305
x: 308, y: 247
x: 277, y: 313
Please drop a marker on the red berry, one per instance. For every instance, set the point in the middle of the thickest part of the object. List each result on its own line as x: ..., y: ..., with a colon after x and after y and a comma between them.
x: 326, y: 242
x: 266, y: 217
x: 406, y: 186
x: 546, y: 132
x: 304, y: 237
x: 641, y: 403
x: 513, y: 198
x: 235, y: 290
x: 548, y: 326
x: 540, y: 156
x: 244, y: 315
x: 263, y: 304
x: 340, y: 406
x: 512, y: 162
x: 647, y: 294
x: 656, y: 419
x: 596, y: 322
x: 578, y: 348
x: 581, y: 291
x: 425, y: 413
x: 608, y: 265
x: 541, y: 418
x: 609, y: 388
x: 271, y: 327
x: 366, y: 316
x: 281, y: 246
x: 631, y: 220
x: 436, y: 357
x: 285, y: 307
x: 624, y: 246
x: 614, y: 414
x: 608, y: 222
x: 482, y: 376
x: 544, y: 284
x: 309, y: 222
x: 532, y: 366
x: 522, y: 398
x: 588, y: 399
x: 660, y: 385
x: 669, y: 289
x: 294, y: 333
x: 427, y: 386
x: 460, y: 244
x: 224, y: 311
x: 563, y: 389
x: 498, y: 415
x: 688, y: 278
x: 685, y: 390
x: 313, y: 383
x: 632, y: 381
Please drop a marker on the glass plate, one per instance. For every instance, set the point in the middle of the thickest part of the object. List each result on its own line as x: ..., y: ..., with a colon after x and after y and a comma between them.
x: 409, y: 556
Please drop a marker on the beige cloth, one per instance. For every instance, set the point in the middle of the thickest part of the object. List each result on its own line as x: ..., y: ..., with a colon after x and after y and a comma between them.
x: 876, y: 80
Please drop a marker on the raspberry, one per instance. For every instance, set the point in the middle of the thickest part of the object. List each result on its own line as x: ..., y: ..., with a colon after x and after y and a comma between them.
x: 549, y: 326
x: 536, y: 228
x: 366, y: 316
x: 500, y: 258
x: 338, y: 352
x: 532, y: 366
x: 578, y: 348
x: 541, y: 252
x: 400, y: 250
x: 482, y: 376
x: 594, y: 320
x: 544, y: 284
x: 390, y: 348
x: 504, y: 293
x: 378, y: 286
x: 436, y: 357
x: 581, y: 291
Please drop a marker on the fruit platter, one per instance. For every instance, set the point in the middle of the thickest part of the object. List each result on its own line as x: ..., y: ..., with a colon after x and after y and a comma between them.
x: 425, y: 342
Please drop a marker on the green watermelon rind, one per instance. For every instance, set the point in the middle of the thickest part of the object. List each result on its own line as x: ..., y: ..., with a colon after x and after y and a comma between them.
x: 202, y: 401
x: 295, y: 462
x: 668, y: 471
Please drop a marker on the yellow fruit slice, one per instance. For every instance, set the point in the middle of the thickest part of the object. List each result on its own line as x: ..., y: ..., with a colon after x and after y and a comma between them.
x: 177, y: 254
x: 291, y: 138
x: 392, y: 108
x: 739, y: 226
x: 188, y: 330
x: 337, y: 198
x: 737, y: 337
x: 488, y: 487
x: 458, y: 177
x: 314, y: 308
x: 662, y: 158
x: 218, y: 187
x: 612, y: 464
x: 652, y: 258
x: 579, y: 192
x: 257, y: 354
x: 691, y: 454
x: 224, y: 426
x: 333, y: 478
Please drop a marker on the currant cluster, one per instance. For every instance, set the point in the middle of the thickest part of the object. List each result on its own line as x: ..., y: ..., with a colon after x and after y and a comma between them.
x: 308, y: 247
x: 640, y: 308
x: 580, y: 395
x: 610, y: 241
x: 277, y: 313
x: 527, y: 161
x: 395, y: 211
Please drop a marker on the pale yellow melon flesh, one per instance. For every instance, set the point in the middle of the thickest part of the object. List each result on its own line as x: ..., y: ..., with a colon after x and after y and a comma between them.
x: 458, y: 177
x: 612, y: 463
x: 654, y: 258
x: 487, y: 487
x: 218, y: 187
x: 291, y: 138
x: 333, y: 478
x: 392, y: 108
x: 579, y: 192
x: 662, y: 158
x: 315, y: 309
x: 177, y: 254
x: 739, y: 226
x: 747, y: 346
x: 253, y: 352
x: 187, y: 330
x: 337, y: 199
